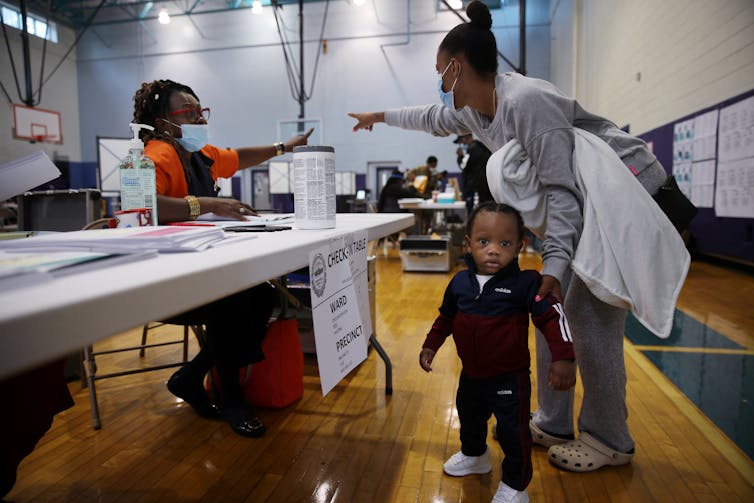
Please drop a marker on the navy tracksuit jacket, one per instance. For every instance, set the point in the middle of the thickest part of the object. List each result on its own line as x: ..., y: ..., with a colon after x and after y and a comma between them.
x: 490, y: 328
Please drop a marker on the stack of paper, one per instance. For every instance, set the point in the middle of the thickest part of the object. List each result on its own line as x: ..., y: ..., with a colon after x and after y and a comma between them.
x: 18, y: 268
x: 126, y: 240
x: 26, y: 173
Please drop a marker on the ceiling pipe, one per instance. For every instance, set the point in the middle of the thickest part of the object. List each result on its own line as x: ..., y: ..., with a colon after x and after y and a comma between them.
x: 522, y: 36
x: 29, y: 98
x: 302, y: 97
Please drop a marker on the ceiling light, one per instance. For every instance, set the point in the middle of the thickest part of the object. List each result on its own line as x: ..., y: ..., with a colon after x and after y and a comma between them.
x: 456, y: 4
x: 163, y: 17
x: 256, y: 7
x: 359, y: 3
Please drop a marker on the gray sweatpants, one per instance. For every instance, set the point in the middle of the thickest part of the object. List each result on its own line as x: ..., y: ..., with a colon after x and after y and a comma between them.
x: 597, y: 330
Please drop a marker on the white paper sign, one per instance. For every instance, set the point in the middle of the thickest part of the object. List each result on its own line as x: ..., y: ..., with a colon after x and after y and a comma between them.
x: 340, y: 306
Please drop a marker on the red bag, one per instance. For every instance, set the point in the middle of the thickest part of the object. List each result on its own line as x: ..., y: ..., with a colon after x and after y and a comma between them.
x: 278, y: 380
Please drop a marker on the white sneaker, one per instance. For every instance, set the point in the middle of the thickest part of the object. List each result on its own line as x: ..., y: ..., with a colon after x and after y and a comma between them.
x: 506, y: 494
x: 459, y: 464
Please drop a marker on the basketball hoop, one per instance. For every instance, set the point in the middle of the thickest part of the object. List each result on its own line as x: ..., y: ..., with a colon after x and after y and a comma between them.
x: 36, y: 124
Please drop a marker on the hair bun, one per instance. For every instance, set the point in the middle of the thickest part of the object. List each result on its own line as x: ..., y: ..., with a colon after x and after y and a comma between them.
x: 479, y: 14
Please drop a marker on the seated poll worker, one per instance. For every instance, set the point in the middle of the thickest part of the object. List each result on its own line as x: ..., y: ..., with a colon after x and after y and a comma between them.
x: 187, y: 168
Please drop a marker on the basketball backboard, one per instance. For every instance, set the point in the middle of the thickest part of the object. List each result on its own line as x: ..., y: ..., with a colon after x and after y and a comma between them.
x: 36, y: 124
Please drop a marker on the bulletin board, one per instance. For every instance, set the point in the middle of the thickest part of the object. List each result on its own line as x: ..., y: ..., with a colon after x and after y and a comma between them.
x: 711, y: 154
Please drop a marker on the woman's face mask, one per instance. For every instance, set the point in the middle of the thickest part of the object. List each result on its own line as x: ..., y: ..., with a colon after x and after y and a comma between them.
x: 193, y: 136
x: 446, y: 98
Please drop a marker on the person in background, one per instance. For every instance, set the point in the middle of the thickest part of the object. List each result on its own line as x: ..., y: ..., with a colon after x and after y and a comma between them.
x: 486, y: 307
x: 472, y: 159
x: 187, y: 169
x: 424, y: 179
x: 429, y: 170
x: 393, y: 190
x: 442, y: 181
x: 500, y: 107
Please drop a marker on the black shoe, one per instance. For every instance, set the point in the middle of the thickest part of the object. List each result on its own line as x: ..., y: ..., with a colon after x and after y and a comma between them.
x: 194, y: 395
x: 251, y: 427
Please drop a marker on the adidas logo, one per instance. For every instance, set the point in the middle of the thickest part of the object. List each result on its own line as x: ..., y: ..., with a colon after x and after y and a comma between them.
x: 502, y: 290
x: 505, y: 392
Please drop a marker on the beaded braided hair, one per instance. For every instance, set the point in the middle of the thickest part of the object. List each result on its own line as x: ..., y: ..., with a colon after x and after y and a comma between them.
x: 152, y: 102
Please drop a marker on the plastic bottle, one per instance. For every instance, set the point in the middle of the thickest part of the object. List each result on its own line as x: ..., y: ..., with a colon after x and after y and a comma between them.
x: 137, y: 176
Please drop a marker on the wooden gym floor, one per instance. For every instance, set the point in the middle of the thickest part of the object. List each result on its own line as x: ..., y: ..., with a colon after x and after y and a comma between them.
x: 359, y: 445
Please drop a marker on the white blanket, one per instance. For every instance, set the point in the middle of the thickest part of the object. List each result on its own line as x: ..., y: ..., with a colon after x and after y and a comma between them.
x: 629, y: 254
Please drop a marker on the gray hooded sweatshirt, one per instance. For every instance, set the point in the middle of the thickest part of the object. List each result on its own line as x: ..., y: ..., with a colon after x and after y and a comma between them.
x: 541, y: 118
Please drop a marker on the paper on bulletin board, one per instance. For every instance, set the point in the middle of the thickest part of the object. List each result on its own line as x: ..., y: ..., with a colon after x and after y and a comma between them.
x: 704, y: 136
x: 737, y: 131
x: 340, y: 306
x: 683, y: 141
x: 703, y: 183
x: 734, y: 193
x: 734, y: 190
x: 694, y: 147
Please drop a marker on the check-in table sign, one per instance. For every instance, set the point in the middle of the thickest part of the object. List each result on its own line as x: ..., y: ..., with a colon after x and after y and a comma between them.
x: 340, y: 306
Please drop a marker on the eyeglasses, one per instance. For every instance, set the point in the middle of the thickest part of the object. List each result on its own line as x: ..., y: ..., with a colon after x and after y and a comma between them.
x: 192, y: 113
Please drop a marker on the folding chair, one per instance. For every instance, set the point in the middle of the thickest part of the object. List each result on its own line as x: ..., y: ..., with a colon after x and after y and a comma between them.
x: 90, y: 364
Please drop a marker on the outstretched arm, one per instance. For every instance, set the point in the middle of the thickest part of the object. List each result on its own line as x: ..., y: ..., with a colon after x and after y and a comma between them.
x: 253, y: 156
x: 434, y: 119
x: 367, y: 120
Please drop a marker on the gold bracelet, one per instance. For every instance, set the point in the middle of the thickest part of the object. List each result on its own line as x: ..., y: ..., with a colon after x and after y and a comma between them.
x: 194, y: 209
x: 279, y: 148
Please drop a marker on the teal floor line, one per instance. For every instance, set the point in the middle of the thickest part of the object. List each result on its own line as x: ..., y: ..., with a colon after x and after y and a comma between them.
x: 686, y: 333
x: 720, y: 385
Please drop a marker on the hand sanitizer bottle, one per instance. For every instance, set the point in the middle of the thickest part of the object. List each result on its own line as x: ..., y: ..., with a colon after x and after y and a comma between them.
x: 137, y: 177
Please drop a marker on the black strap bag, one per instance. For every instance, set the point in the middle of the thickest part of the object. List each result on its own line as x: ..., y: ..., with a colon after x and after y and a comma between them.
x: 675, y: 204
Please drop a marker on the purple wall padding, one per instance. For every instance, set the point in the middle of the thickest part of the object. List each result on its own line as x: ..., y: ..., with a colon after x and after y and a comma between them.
x: 729, y: 237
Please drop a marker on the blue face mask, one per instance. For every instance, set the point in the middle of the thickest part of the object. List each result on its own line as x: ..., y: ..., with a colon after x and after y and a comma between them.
x: 447, y: 98
x: 193, y: 136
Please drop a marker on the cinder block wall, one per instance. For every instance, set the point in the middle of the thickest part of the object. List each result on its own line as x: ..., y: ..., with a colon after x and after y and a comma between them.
x: 649, y: 62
